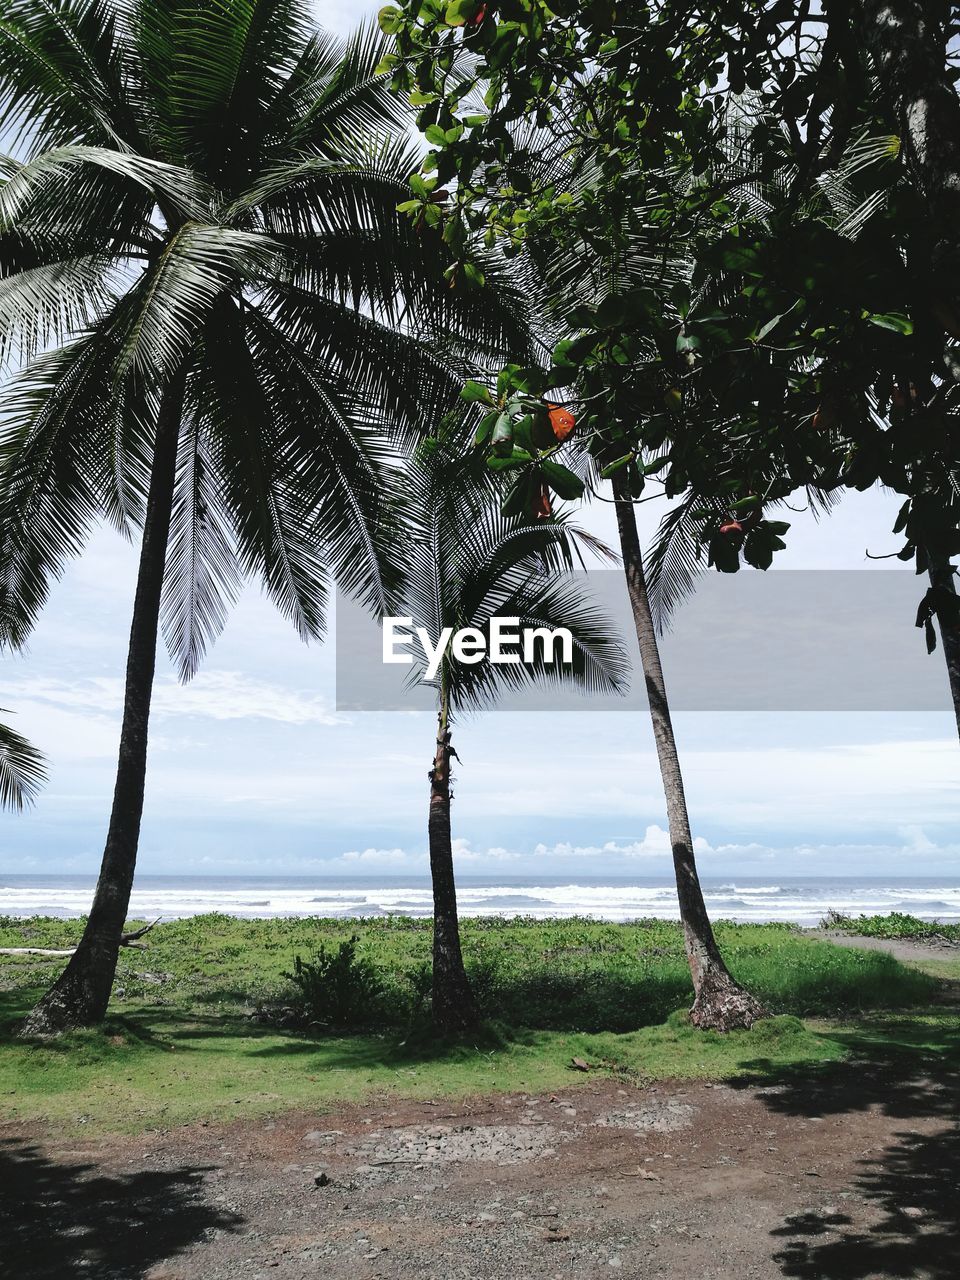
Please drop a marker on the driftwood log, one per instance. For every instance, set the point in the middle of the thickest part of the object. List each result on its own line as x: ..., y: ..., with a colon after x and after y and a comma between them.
x: 127, y: 940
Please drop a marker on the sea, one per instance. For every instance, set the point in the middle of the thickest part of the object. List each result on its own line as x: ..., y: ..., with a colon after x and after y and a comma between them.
x: 799, y: 900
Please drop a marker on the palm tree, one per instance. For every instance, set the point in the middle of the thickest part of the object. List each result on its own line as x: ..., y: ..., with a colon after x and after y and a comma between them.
x: 211, y: 303
x: 720, y: 1003
x: 562, y: 282
x: 465, y: 565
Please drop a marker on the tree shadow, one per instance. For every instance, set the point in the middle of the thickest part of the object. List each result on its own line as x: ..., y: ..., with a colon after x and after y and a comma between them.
x: 389, y: 1047
x: 64, y: 1221
x: 913, y: 1186
x: 907, y: 1068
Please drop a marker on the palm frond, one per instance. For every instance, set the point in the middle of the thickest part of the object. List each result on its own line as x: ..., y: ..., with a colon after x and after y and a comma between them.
x: 49, y: 303
x: 466, y: 564
x: 674, y: 560
x: 54, y: 427
x: 202, y: 580
x: 23, y: 769
x: 162, y: 315
x: 61, y: 73
x: 26, y: 183
x: 354, y: 99
x: 230, y: 60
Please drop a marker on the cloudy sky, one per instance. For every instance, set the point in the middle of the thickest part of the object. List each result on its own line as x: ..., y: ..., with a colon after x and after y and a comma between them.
x: 253, y: 771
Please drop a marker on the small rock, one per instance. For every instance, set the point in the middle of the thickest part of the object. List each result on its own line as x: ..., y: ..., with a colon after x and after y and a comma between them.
x: 615, y: 1263
x: 321, y: 1179
x: 911, y: 1211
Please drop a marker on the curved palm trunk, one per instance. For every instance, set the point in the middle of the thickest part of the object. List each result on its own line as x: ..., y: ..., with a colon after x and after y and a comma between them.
x: 720, y: 1002
x: 943, y: 578
x: 454, y: 1008
x: 80, y: 995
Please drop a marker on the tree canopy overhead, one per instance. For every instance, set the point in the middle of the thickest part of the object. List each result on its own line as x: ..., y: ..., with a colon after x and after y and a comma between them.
x: 787, y: 171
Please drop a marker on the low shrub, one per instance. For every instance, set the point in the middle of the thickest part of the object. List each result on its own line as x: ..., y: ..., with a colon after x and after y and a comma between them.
x: 337, y: 989
x: 895, y: 925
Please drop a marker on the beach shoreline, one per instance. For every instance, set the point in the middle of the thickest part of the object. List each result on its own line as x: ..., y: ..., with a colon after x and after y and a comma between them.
x: 802, y: 901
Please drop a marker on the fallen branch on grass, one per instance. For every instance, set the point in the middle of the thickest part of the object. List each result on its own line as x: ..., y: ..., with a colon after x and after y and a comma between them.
x: 127, y: 940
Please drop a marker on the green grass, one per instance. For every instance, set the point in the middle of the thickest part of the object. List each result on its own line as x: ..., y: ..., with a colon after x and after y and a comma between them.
x: 896, y: 925
x: 181, y: 1044
x: 576, y: 975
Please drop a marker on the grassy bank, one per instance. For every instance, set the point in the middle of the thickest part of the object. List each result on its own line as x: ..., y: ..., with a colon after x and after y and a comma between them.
x: 184, y: 1041
x: 562, y: 975
x: 895, y: 926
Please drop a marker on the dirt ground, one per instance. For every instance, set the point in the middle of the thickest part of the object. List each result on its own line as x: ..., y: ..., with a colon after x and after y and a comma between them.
x: 843, y: 1172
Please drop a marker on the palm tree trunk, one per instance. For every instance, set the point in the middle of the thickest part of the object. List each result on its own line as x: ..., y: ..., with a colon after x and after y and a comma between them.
x: 720, y: 1003
x: 943, y: 579
x: 908, y: 46
x: 454, y: 1008
x: 80, y: 995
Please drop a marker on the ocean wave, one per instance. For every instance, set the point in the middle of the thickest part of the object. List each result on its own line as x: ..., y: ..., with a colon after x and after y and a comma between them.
x: 467, y: 899
x: 752, y: 890
x: 798, y: 902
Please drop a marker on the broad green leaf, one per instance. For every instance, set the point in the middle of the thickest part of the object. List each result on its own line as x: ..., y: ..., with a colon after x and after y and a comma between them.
x: 562, y: 480
x: 475, y: 391
x: 612, y: 467
x: 893, y: 320
x: 390, y: 20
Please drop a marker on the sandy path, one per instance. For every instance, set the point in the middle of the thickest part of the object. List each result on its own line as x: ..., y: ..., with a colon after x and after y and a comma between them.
x: 852, y: 1173
x: 902, y: 948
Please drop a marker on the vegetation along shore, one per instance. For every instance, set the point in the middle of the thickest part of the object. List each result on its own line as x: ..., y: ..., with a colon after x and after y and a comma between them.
x: 221, y: 1017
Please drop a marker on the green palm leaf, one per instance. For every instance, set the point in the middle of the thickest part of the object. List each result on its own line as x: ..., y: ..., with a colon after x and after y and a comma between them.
x: 465, y: 564
x: 23, y: 770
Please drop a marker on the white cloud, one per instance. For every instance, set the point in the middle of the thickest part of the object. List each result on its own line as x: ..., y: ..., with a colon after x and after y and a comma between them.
x: 214, y: 695
x: 917, y: 840
x: 383, y: 857
x: 654, y: 844
x: 463, y: 852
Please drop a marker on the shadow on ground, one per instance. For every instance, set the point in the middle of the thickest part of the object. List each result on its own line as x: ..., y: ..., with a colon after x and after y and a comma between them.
x: 61, y: 1221
x: 912, y: 1191
x: 908, y: 1067
x: 907, y: 1197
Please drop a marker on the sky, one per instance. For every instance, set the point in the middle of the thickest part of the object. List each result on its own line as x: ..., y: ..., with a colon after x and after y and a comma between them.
x: 254, y: 771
